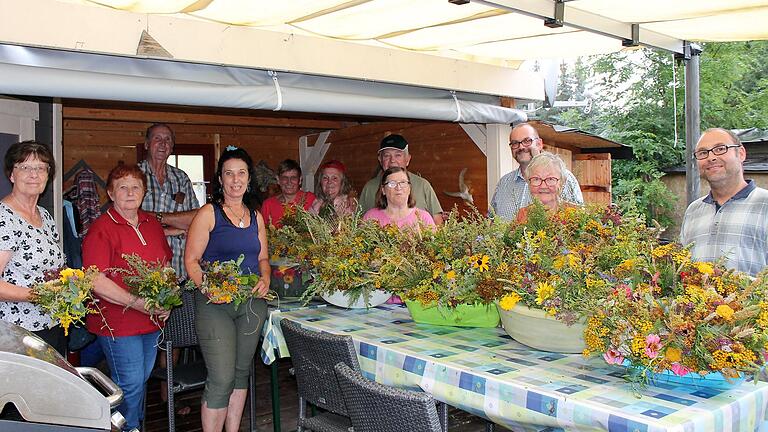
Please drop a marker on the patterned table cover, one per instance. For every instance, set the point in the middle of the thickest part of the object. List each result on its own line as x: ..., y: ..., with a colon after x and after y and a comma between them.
x: 486, y: 373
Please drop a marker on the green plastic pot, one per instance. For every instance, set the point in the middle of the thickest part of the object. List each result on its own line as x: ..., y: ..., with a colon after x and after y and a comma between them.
x: 463, y: 315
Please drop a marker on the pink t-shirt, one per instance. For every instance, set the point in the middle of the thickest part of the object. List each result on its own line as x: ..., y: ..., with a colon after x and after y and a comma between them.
x: 412, y: 219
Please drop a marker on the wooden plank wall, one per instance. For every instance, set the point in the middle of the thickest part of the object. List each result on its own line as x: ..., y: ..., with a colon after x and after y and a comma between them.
x: 103, y: 137
x: 439, y: 152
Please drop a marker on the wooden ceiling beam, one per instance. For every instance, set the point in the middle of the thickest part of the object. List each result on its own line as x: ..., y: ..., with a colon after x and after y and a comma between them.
x: 112, y: 114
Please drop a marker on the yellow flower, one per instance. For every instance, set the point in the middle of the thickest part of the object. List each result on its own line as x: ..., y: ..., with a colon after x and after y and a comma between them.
x: 725, y: 312
x: 704, y: 267
x: 451, y: 275
x: 544, y: 292
x: 673, y: 354
x: 509, y: 301
x: 67, y: 273
x: 480, y: 262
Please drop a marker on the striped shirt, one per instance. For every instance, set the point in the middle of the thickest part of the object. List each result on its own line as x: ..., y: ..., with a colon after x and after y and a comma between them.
x: 175, y: 195
x: 737, y: 230
x: 512, y: 194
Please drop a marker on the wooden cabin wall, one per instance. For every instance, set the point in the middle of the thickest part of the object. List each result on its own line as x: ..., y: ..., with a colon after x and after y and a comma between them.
x: 439, y: 152
x: 102, y: 138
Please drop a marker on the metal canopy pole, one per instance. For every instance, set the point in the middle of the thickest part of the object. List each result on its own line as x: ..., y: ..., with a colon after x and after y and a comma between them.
x: 692, y: 120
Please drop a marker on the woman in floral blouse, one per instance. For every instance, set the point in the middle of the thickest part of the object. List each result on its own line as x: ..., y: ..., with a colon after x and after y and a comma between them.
x: 29, y: 242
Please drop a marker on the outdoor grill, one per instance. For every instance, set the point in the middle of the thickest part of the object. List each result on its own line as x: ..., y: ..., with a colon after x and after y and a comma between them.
x: 48, y: 392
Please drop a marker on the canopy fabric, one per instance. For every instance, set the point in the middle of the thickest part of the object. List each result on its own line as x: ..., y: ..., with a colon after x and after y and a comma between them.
x: 485, y: 31
x: 46, y: 72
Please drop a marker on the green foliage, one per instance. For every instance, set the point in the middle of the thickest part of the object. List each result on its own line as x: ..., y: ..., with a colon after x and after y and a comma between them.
x: 634, y: 96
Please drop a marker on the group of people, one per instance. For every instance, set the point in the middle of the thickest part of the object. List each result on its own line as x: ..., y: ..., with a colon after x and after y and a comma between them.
x: 153, y: 212
x: 393, y: 196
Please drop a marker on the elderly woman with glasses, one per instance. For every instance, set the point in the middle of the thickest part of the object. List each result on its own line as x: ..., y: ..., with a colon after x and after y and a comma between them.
x: 291, y: 195
x: 545, y: 180
x: 29, y: 242
x: 395, y: 204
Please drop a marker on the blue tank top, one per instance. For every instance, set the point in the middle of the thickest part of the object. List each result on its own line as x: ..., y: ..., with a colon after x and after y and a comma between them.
x: 227, y: 242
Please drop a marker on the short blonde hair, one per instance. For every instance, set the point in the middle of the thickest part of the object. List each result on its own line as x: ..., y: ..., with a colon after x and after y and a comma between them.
x: 547, y: 159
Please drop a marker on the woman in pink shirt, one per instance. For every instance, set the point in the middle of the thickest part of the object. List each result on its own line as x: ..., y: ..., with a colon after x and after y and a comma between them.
x: 395, y: 203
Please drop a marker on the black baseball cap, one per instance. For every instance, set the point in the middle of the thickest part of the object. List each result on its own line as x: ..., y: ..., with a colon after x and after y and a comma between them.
x: 394, y: 141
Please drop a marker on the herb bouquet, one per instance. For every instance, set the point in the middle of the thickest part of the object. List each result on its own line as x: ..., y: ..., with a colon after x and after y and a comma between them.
x: 668, y: 315
x: 224, y: 282
x: 344, y: 256
x: 448, y: 275
x: 155, y: 283
x: 559, y: 268
x: 65, y: 295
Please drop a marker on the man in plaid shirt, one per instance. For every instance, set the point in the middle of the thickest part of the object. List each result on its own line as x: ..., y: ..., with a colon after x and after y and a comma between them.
x: 731, y: 222
x: 512, y: 192
x: 172, y: 200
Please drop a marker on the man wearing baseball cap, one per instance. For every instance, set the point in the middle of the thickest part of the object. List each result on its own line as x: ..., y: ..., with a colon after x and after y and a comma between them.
x: 393, y: 152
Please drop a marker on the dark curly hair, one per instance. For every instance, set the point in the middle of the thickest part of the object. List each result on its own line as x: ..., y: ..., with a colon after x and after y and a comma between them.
x: 250, y: 199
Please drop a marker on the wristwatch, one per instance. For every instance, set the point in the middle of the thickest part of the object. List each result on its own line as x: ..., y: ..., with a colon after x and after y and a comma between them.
x: 159, y: 217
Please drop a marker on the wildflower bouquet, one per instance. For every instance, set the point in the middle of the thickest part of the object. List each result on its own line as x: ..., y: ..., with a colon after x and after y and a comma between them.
x: 343, y: 255
x: 291, y: 241
x: 666, y: 313
x: 223, y: 282
x: 561, y: 263
x: 64, y: 295
x: 456, y: 263
x: 155, y: 283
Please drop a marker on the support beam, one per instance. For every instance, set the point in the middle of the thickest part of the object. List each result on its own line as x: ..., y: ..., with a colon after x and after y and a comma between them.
x: 583, y: 20
x: 478, y: 134
x: 57, y: 144
x: 692, y: 121
x: 310, y: 157
x: 499, y: 159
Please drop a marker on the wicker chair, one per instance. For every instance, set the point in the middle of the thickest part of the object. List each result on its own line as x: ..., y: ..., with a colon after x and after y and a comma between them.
x: 374, y: 407
x: 179, y: 332
x: 314, y: 355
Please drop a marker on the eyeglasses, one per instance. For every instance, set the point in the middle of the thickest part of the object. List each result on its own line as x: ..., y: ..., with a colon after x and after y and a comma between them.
x: 392, y: 184
x: 716, y: 150
x: 549, y: 181
x: 291, y: 179
x: 37, y: 169
x: 525, y: 142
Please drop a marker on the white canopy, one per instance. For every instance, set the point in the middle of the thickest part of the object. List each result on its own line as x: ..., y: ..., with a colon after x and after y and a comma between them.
x: 469, y: 47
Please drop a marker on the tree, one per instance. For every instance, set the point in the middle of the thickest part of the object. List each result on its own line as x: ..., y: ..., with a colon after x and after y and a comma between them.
x: 634, y: 97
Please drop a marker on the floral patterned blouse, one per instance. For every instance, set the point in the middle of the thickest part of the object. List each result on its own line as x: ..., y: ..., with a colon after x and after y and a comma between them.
x: 35, y: 250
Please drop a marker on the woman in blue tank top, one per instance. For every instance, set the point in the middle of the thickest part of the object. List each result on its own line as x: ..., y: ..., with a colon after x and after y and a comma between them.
x: 223, y: 230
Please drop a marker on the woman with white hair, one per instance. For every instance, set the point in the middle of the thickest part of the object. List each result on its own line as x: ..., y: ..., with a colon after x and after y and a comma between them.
x: 545, y: 181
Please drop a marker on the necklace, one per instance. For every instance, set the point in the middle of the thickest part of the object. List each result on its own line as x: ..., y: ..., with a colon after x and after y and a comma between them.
x: 241, y: 224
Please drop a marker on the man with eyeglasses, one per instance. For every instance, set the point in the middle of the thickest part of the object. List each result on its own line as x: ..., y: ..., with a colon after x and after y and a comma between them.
x: 512, y: 192
x: 393, y: 152
x: 731, y: 221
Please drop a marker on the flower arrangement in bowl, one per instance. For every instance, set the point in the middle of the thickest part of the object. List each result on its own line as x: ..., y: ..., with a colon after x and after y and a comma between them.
x: 559, y: 267
x: 65, y: 295
x: 155, y: 283
x: 224, y: 282
x: 288, y: 245
x: 344, y: 257
x: 448, y: 275
x: 668, y: 315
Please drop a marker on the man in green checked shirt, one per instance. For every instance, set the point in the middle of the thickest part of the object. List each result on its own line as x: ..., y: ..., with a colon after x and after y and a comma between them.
x: 171, y: 198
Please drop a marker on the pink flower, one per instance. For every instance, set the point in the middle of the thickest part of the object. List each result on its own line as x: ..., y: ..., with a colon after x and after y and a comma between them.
x: 652, y: 345
x: 680, y: 370
x: 613, y: 356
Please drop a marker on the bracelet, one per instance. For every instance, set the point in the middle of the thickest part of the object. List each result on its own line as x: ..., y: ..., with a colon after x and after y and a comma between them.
x: 159, y: 217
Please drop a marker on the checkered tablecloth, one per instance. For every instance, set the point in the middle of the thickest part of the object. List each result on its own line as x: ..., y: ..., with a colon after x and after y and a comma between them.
x: 485, y: 372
